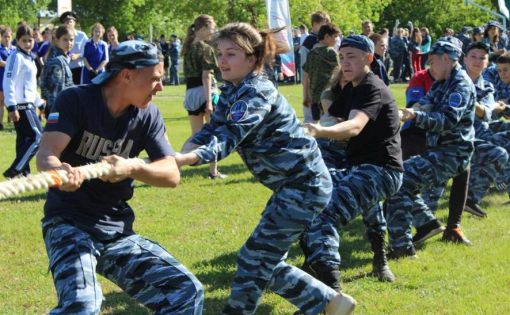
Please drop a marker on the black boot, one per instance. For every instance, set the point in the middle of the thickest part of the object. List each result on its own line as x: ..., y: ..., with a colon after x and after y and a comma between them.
x: 381, y: 270
x: 327, y: 274
x: 303, y: 244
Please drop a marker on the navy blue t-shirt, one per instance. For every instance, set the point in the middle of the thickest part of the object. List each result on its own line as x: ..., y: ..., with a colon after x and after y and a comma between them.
x: 81, y: 113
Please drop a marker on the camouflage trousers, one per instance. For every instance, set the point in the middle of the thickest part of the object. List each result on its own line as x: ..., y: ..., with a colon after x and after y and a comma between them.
x: 422, y: 172
x: 488, y: 161
x: 335, y: 158
x: 356, y: 191
x: 499, y: 134
x: 142, y: 268
x: 260, y: 263
x: 333, y: 153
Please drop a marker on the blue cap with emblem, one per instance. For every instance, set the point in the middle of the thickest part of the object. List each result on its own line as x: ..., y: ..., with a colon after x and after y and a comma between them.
x: 446, y: 45
x: 358, y: 41
x: 131, y: 54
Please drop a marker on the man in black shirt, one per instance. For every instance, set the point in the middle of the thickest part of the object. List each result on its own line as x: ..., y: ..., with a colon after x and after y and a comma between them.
x: 371, y: 126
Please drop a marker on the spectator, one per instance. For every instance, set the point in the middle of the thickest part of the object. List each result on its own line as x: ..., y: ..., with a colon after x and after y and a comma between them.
x: 163, y: 46
x: 57, y: 75
x: 318, y: 19
x: 95, y: 55
x: 398, y: 49
x: 174, y: 51
x: 426, y: 42
x: 69, y: 18
x: 415, y: 48
x: 367, y: 28
x: 6, y: 49
x: 113, y: 38
x: 199, y: 67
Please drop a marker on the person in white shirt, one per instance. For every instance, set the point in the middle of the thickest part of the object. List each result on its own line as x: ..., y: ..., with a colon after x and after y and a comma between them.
x: 21, y: 99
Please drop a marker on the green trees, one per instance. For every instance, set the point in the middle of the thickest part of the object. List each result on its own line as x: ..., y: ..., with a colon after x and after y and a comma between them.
x: 435, y: 14
x: 135, y: 16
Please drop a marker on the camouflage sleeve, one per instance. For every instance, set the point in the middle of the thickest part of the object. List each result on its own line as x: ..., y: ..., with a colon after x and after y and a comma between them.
x: 487, y: 101
x: 208, y: 59
x: 241, y: 119
x: 459, y: 100
x: 51, y: 78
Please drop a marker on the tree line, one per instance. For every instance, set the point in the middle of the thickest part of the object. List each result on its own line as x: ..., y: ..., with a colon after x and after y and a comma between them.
x: 167, y: 17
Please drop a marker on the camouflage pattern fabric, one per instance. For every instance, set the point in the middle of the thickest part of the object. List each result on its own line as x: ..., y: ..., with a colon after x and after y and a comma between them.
x: 142, y: 268
x: 450, y: 136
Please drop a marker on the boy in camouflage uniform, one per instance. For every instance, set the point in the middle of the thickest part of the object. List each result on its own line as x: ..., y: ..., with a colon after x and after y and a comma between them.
x: 319, y: 66
x: 448, y: 120
x: 88, y: 226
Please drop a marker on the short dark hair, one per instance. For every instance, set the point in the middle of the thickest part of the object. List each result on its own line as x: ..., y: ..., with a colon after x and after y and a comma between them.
x: 23, y: 30
x: 320, y: 17
x: 504, y: 58
x: 327, y: 29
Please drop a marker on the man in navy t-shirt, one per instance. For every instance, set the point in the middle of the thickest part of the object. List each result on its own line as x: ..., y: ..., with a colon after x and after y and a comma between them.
x: 87, y: 225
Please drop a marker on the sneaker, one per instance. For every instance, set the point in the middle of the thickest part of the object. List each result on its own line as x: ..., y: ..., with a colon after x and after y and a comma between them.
x: 11, y: 173
x: 502, y: 186
x: 427, y: 231
x: 401, y: 252
x: 1, y: 126
x: 475, y: 209
x: 217, y: 176
x: 455, y: 235
x: 342, y: 304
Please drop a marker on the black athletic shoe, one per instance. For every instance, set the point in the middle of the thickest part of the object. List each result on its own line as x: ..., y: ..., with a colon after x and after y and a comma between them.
x: 474, y: 209
x: 1, y: 126
x: 11, y: 173
x: 455, y: 235
x: 401, y: 252
x: 427, y: 231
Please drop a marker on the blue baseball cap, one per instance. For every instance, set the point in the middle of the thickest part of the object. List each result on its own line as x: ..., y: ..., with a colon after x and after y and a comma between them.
x: 360, y: 42
x: 446, y: 45
x: 478, y: 30
x: 494, y: 23
x: 131, y: 54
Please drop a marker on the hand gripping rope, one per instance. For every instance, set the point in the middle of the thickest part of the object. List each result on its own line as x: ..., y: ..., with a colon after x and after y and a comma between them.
x: 53, y: 178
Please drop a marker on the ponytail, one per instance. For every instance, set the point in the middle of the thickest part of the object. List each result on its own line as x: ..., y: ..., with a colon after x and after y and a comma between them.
x: 200, y: 21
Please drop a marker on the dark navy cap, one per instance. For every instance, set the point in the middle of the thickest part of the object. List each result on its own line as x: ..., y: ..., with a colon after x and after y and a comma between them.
x: 478, y: 45
x: 445, y: 45
x: 478, y: 30
x: 131, y: 54
x: 68, y: 15
x: 358, y: 41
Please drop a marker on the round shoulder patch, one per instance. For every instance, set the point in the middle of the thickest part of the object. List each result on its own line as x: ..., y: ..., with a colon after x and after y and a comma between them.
x: 238, y: 111
x: 455, y: 99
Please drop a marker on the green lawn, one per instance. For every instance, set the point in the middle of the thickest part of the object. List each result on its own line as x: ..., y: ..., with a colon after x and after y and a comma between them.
x: 203, y: 223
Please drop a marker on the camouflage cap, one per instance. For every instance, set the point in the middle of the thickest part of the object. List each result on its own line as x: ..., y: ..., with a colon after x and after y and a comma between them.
x: 131, y: 54
x: 358, y: 41
x: 445, y: 45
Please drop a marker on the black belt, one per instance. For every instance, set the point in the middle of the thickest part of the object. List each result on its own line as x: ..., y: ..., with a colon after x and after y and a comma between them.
x: 193, y: 82
x: 24, y: 106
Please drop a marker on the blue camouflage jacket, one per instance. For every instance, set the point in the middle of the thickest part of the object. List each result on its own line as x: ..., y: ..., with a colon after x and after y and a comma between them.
x: 259, y: 123
x: 55, y: 77
x: 485, y: 97
x: 449, y: 124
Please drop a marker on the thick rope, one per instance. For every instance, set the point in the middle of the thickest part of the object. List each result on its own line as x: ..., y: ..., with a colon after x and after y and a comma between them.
x: 53, y: 178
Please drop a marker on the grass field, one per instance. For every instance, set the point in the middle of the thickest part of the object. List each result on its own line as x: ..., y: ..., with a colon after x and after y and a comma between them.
x: 203, y: 223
